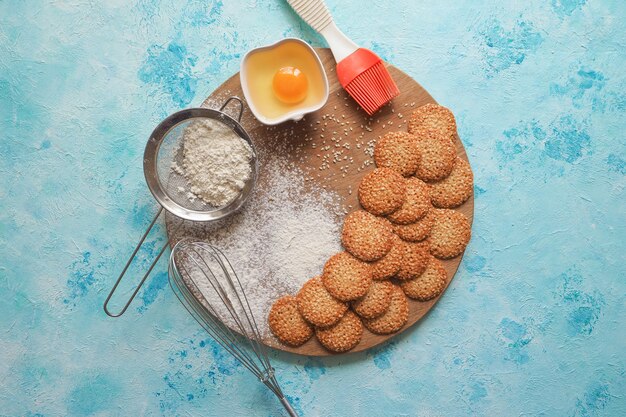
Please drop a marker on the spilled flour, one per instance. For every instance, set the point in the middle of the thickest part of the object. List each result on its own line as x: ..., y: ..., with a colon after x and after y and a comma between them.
x: 280, y: 239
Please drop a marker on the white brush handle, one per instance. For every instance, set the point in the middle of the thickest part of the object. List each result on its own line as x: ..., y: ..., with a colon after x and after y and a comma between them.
x: 316, y: 14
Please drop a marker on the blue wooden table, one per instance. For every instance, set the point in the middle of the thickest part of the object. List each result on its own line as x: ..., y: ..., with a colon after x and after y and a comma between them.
x: 533, y: 324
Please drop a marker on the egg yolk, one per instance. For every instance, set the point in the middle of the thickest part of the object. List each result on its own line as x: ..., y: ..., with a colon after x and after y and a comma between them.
x: 290, y: 85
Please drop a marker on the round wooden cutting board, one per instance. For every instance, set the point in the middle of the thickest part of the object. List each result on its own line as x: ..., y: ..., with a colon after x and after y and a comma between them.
x: 391, y: 118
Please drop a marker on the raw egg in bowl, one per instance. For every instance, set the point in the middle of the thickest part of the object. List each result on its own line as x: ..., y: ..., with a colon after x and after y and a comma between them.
x: 283, y: 81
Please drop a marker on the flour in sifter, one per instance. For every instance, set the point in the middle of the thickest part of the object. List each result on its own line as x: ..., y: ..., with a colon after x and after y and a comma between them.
x: 216, y: 161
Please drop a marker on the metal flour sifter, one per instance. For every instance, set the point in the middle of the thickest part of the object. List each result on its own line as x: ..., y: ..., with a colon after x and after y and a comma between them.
x: 170, y: 188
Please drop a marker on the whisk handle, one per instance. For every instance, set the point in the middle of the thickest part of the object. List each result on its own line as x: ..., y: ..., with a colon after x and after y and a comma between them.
x: 288, y: 407
x: 130, y: 260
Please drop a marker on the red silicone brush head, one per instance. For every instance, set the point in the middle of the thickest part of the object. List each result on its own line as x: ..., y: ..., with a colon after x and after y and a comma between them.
x: 364, y: 76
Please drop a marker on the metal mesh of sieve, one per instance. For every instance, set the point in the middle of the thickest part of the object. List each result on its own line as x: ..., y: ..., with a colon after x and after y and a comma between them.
x: 170, y: 169
x: 163, y: 166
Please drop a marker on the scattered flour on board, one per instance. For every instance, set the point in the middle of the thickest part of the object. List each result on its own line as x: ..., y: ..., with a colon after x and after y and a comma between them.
x: 278, y: 241
x: 216, y: 162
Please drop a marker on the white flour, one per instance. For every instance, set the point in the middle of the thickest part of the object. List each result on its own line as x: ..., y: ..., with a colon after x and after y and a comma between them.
x: 278, y: 241
x: 216, y: 162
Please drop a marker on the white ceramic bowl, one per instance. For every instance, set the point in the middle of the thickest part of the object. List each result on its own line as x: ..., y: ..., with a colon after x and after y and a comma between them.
x: 295, y: 114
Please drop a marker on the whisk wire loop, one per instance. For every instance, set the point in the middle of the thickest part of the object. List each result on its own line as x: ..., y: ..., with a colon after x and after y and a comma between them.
x: 249, y: 329
x: 205, y: 315
x: 197, y: 269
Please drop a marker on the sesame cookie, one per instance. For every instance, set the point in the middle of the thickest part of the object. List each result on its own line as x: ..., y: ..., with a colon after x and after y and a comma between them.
x: 287, y: 323
x: 345, y: 277
x: 375, y: 302
x: 398, y: 151
x: 453, y: 190
x: 343, y: 336
x: 386, y: 222
x: 417, y: 231
x: 366, y: 236
x: 414, y: 261
x: 450, y: 234
x: 317, y: 306
x: 438, y: 155
x: 394, y: 318
x: 416, y: 203
x: 434, y: 118
x: 428, y: 285
x: 389, y: 265
x: 382, y: 191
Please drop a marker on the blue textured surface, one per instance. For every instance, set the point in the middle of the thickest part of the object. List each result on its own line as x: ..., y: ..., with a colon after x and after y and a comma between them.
x: 533, y: 324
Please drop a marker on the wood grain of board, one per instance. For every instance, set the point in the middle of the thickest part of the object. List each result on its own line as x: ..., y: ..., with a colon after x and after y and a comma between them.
x: 340, y: 180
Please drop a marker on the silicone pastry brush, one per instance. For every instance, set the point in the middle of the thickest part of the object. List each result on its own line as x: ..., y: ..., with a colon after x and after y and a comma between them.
x: 360, y: 71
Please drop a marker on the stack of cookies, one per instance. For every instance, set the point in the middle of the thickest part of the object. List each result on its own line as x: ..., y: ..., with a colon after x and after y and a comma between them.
x: 393, y: 246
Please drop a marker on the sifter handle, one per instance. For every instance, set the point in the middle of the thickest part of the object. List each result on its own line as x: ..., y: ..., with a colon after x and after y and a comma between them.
x: 238, y: 100
x: 130, y: 260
